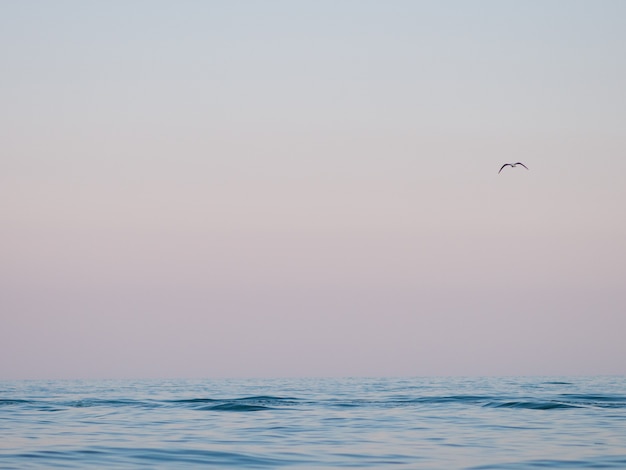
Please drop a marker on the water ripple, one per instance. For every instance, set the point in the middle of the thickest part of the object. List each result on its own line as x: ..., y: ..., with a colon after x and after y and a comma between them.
x: 315, y: 423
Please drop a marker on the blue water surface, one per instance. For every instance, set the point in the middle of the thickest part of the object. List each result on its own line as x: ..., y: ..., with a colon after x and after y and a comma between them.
x: 417, y: 423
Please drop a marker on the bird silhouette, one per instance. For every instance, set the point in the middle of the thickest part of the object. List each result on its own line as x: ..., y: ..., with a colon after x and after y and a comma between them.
x: 512, y: 165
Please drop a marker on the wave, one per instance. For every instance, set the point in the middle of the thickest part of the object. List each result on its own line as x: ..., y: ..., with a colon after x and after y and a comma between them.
x: 608, y: 461
x: 131, y: 457
x: 594, y: 398
x: 12, y: 401
x: 532, y: 405
x: 252, y: 403
x: 269, y: 402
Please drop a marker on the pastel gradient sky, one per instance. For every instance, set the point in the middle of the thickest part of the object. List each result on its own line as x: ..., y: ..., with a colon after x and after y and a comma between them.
x: 310, y: 188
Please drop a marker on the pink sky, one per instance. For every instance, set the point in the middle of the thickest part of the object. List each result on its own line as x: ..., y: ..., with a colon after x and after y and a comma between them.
x: 211, y: 189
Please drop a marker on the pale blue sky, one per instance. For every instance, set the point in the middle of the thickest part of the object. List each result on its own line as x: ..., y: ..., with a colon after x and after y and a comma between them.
x: 294, y: 188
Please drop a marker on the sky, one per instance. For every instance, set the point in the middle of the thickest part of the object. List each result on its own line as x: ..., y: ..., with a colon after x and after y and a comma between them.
x: 206, y: 189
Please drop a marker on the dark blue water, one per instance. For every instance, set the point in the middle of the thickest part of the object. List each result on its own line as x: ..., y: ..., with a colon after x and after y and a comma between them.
x: 418, y: 423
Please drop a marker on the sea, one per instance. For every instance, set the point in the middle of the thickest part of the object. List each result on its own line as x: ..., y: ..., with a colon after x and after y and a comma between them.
x: 315, y: 423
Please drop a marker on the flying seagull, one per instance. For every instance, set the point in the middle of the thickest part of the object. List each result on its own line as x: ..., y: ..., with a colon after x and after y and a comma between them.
x: 512, y: 165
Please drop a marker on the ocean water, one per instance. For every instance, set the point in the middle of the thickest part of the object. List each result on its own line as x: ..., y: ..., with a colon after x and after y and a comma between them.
x: 416, y: 423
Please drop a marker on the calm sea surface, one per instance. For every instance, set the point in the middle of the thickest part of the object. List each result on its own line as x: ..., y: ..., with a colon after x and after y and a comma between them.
x: 418, y: 423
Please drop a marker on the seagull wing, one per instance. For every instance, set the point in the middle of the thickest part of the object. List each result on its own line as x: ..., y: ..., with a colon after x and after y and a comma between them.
x: 506, y: 164
x: 520, y: 163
